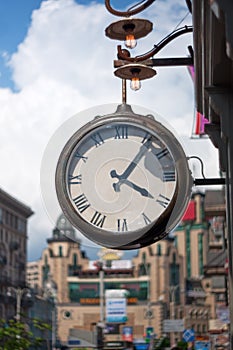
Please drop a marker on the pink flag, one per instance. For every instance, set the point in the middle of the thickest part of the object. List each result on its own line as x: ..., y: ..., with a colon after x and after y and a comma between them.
x: 200, y: 119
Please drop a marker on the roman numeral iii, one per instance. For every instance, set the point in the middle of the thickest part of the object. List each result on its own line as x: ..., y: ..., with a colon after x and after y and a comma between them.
x: 169, y: 176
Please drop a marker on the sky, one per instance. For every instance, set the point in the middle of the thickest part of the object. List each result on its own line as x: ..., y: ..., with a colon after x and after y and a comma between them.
x: 55, y: 64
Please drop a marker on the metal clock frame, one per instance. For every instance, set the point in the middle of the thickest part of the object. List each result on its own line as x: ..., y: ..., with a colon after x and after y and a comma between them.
x: 169, y: 218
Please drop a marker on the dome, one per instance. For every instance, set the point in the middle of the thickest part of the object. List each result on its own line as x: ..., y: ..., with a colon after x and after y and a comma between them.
x: 64, y: 228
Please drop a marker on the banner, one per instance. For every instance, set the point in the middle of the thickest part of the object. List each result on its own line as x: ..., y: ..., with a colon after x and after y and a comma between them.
x: 127, y: 334
x: 199, y: 119
x: 116, y: 310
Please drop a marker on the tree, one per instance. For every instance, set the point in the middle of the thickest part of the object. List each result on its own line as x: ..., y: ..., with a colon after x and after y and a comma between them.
x: 16, y: 335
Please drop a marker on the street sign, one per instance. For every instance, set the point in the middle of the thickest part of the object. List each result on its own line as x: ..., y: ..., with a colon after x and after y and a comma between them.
x: 170, y: 326
x: 202, y: 345
x: 141, y: 346
x: 116, y: 310
x: 127, y: 333
x: 189, y: 335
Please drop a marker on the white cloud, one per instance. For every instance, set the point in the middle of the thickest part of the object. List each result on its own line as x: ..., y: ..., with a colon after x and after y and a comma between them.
x: 64, y: 66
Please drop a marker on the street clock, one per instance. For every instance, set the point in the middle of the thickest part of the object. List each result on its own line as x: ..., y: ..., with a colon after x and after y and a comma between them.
x: 123, y: 180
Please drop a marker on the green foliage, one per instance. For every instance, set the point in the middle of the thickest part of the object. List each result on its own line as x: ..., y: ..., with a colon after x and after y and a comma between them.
x: 182, y: 345
x: 16, y: 335
x: 161, y: 343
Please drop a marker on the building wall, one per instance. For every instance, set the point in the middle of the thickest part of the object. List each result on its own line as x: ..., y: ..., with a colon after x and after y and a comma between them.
x: 13, y: 249
x: 86, y: 317
x: 33, y: 274
x: 58, y: 260
x: 192, y: 241
x: 150, y: 269
x: 159, y: 274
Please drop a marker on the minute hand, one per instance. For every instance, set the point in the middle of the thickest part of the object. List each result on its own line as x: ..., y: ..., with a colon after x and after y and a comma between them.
x: 142, y: 151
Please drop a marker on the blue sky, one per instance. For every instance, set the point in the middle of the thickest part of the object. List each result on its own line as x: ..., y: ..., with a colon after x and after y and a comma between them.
x: 15, y: 20
x: 14, y: 24
x: 59, y: 64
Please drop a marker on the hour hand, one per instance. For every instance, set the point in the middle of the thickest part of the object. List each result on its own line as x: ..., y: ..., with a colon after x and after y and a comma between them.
x: 141, y: 190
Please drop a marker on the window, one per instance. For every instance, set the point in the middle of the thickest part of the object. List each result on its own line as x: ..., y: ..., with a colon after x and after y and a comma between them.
x: 45, y: 269
x: 21, y: 225
x: 159, y: 253
x: 75, y: 259
x: 60, y: 251
x: 67, y: 314
x: 1, y: 216
x: 200, y: 253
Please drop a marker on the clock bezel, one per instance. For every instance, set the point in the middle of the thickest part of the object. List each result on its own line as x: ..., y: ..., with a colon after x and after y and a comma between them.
x: 169, y: 217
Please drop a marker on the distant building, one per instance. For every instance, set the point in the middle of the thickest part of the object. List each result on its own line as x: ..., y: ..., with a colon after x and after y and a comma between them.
x: 164, y: 280
x: 13, y: 250
x: 33, y: 275
x: 78, y: 284
x: 216, y: 267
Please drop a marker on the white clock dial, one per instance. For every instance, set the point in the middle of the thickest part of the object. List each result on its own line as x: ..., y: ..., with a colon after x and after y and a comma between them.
x: 117, y: 178
x: 120, y: 178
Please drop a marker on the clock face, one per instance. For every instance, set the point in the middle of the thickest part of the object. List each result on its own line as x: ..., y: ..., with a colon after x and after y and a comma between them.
x: 116, y: 178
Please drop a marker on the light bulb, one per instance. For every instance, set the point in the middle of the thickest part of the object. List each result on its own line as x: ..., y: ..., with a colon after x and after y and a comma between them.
x: 135, y: 83
x: 130, y: 41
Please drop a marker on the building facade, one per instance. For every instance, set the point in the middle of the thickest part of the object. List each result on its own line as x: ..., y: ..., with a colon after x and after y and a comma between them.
x: 213, y: 63
x: 13, y: 251
x: 164, y: 281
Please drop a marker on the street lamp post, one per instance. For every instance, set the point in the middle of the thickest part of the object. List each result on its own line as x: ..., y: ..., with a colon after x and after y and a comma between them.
x: 51, y: 291
x: 149, y: 311
x: 172, y: 293
x: 99, y: 266
x: 101, y: 323
x: 19, y: 293
x: 101, y: 277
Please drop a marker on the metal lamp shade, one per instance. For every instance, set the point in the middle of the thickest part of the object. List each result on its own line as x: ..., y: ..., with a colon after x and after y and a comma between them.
x: 138, y: 27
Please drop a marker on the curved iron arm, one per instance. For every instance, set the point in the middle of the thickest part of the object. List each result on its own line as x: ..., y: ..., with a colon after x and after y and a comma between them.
x: 123, y: 54
x: 129, y: 12
x: 189, y: 5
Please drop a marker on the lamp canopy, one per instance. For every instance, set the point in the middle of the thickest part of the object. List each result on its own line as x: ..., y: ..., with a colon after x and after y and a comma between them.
x: 136, y: 26
x: 131, y: 70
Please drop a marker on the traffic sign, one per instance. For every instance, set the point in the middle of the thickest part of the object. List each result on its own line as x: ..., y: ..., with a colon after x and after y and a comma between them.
x: 189, y: 335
